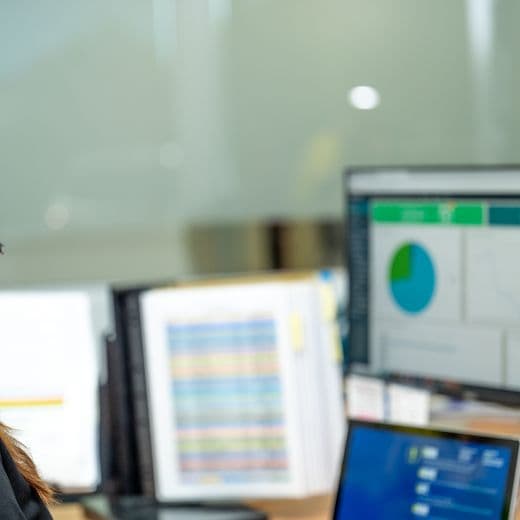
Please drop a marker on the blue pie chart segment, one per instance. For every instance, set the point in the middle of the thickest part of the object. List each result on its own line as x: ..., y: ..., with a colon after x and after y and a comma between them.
x: 411, y: 278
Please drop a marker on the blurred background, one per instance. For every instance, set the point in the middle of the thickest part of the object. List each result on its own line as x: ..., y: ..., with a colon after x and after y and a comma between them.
x: 154, y: 139
x: 148, y: 141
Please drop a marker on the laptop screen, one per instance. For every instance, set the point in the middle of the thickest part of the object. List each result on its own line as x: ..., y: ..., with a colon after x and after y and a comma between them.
x: 394, y: 471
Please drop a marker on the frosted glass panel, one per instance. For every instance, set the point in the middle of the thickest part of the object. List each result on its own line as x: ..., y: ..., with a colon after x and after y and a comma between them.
x: 128, y: 122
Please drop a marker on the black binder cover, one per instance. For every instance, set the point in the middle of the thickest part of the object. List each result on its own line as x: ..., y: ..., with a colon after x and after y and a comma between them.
x: 132, y: 441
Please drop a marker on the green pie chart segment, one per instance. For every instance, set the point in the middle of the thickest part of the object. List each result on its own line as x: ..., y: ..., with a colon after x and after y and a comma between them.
x: 412, y: 278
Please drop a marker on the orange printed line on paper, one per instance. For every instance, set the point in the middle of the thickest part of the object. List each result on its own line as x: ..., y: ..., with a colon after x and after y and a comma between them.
x: 219, y: 358
x: 230, y: 432
x: 240, y: 464
x: 239, y: 370
x: 31, y: 402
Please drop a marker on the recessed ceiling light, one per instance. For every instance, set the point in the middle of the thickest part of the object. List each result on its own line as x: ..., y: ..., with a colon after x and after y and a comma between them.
x: 364, y: 97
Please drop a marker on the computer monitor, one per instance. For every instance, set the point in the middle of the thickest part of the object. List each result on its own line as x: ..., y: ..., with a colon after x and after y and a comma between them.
x: 392, y: 471
x: 433, y: 261
x: 49, y: 379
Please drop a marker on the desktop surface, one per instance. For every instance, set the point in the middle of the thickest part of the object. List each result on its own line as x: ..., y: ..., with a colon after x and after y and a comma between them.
x: 398, y: 472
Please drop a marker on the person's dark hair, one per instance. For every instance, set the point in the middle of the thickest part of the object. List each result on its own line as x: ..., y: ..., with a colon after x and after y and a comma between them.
x: 25, y: 465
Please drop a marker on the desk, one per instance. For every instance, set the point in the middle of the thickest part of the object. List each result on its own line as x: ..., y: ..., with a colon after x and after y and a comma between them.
x: 317, y: 508
x: 68, y: 512
x: 308, y: 509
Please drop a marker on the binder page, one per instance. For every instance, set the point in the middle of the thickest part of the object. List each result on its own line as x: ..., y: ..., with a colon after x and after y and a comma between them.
x: 313, y: 417
x: 408, y: 405
x: 325, y: 311
x: 365, y: 398
x: 223, y: 403
x: 48, y: 382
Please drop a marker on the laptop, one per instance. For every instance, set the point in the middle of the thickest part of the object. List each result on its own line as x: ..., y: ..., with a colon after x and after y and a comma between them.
x: 400, y: 472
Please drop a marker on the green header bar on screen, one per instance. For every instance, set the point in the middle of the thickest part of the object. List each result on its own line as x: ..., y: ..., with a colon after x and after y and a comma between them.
x: 443, y: 213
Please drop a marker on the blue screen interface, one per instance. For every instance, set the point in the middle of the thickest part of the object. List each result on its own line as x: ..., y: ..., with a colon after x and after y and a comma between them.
x: 398, y: 475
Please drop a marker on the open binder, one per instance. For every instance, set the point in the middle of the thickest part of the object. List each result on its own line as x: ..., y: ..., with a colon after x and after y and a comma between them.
x: 234, y: 389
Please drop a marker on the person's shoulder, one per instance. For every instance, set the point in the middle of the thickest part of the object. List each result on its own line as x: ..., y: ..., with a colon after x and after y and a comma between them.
x: 18, y: 501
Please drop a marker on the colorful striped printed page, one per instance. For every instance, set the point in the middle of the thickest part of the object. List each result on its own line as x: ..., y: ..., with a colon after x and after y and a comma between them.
x: 227, y: 392
x: 218, y: 366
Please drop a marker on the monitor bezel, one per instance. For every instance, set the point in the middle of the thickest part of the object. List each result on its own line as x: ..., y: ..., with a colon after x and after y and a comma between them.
x: 508, y: 509
x: 434, y: 169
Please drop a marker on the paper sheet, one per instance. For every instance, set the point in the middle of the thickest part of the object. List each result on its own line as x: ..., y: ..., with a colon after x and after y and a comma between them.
x: 365, y: 398
x: 220, y: 411
x: 48, y: 382
x: 407, y: 405
x: 239, y: 399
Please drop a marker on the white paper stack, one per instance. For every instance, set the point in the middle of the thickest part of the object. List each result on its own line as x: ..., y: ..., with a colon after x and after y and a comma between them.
x: 49, y: 379
x: 407, y: 405
x: 371, y: 399
x: 366, y: 398
x: 244, y: 389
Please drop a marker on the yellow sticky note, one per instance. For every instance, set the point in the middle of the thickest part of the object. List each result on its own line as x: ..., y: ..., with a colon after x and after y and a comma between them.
x: 296, y: 331
x: 336, y: 346
x: 329, y: 304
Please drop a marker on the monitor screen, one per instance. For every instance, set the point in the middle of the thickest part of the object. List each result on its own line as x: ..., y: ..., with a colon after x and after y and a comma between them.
x: 49, y: 376
x: 400, y: 472
x: 433, y: 256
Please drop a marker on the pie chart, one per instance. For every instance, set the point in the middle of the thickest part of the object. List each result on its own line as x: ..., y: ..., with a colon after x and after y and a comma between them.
x: 411, y: 278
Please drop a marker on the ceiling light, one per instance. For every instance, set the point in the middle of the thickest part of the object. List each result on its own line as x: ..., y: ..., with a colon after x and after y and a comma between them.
x: 364, y: 97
